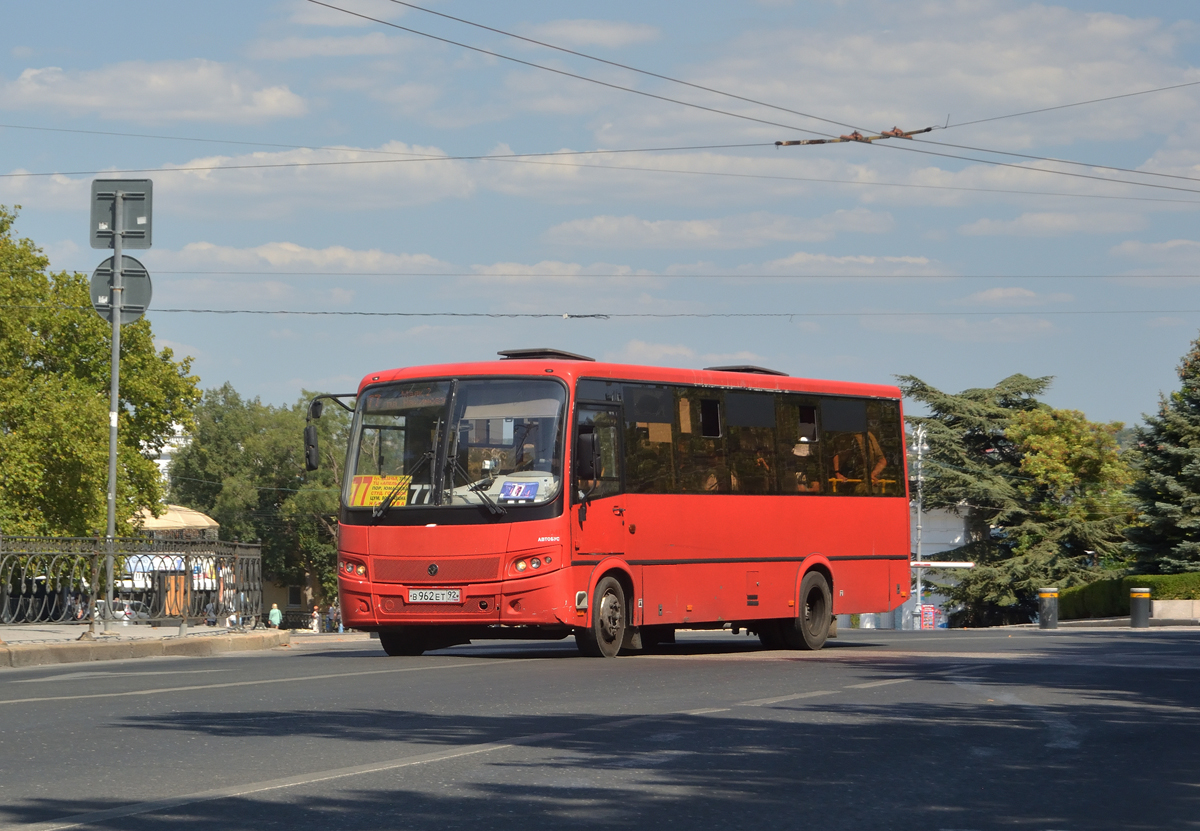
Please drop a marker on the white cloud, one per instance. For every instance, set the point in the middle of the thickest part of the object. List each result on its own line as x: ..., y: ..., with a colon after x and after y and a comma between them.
x: 289, y: 256
x: 1049, y: 224
x: 803, y: 262
x: 607, y: 33
x: 974, y: 329
x: 643, y: 352
x: 310, y: 14
x: 145, y: 92
x: 1011, y: 296
x: 1182, y: 252
x: 295, y: 48
x: 748, y: 231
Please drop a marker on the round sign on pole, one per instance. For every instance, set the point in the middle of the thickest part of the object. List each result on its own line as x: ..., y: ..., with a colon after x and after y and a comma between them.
x: 137, y: 291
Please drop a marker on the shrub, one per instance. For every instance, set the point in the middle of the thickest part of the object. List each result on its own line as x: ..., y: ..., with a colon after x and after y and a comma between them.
x: 1110, y: 598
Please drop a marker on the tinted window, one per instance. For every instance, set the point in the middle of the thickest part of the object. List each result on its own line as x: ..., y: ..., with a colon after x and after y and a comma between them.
x: 606, y: 425
x: 799, y: 451
x: 649, y: 439
x: 750, y: 442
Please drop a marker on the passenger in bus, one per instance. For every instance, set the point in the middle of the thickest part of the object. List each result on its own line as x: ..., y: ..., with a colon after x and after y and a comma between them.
x: 850, y: 461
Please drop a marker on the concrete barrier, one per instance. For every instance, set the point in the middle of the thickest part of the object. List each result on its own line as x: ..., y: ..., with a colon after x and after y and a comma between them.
x: 1175, y: 609
x: 40, y: 654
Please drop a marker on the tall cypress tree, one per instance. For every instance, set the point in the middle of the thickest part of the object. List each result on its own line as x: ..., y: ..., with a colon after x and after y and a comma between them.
x: 1166, y: 537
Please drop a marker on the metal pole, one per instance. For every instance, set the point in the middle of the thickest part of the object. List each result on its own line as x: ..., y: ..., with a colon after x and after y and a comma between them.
x: 920, y: 448
x: 118, y: 288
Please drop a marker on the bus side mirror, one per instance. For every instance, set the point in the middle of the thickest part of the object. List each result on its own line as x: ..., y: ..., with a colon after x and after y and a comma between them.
x: 316, y: 408
x: 587, y: 456
x: 312, y: 459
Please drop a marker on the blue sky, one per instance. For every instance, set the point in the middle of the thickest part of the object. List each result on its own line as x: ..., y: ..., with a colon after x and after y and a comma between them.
x: 891, y: 261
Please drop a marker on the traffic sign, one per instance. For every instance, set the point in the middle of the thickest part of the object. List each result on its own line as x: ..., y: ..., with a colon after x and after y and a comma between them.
x: 136, y: 281
x: 137, y: 198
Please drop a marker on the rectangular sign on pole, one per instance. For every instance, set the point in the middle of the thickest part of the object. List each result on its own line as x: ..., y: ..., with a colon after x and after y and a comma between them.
x: 928, y: 616
x: 137, y: 202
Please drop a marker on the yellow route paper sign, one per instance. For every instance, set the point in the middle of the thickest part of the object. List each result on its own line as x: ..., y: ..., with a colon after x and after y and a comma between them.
x: 369, y: 491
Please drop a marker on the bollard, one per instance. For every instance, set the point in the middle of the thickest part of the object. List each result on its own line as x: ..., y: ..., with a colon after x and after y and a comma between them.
x: 1139, y: 608
x: 183, y: 626
x: 1048, y: 608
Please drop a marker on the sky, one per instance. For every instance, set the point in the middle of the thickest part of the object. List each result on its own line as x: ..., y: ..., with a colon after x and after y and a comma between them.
x: 316, y: 159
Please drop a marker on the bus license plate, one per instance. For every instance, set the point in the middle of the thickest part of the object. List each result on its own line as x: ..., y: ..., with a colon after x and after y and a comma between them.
x: 434, y: 596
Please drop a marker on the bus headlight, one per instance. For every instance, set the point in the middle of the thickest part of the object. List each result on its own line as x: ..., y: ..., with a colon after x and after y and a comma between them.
x: 521, y: 565
x: 535, y: 563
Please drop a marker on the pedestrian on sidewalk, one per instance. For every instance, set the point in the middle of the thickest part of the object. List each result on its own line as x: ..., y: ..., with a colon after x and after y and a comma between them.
x: 316, y: 620
x: 331, y: 618
x: 274, y: 617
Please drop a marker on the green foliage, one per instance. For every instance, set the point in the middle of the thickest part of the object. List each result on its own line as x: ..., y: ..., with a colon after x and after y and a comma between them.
x: 1166, y: 537
x: 1110, y: 597
x: 55, y: 356
x: 1041, y: 492
x: 245, y: 468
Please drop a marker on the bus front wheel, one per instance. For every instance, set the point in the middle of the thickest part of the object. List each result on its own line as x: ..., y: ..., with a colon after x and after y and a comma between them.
x: 810, y: 628
x: 604, y: 637
x: 405, y: 641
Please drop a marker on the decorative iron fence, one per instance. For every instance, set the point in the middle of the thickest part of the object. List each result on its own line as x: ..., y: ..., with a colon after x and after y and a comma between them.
x: 65, y: 580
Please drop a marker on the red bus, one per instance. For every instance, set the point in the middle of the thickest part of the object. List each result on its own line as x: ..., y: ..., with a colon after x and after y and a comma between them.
x: 546, y: 494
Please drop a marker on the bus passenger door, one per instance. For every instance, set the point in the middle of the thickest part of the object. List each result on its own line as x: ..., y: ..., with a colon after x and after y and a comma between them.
x: 598, y: 505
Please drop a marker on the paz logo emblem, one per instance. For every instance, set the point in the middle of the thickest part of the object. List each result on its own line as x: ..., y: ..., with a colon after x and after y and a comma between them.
x: 432, y: 569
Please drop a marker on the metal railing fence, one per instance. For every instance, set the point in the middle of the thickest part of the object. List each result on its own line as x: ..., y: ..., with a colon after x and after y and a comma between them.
x: 65, y: 580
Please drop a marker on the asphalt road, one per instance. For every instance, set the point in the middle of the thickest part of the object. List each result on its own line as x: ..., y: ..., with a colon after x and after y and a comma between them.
x: 1013, y: 729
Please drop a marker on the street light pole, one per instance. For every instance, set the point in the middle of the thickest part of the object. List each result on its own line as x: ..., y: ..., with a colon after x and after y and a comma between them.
x: 118, y: 288
x: 919, y: 447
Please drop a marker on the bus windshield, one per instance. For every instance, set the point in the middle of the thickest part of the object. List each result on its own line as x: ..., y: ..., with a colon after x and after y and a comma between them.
x: 490, y: 443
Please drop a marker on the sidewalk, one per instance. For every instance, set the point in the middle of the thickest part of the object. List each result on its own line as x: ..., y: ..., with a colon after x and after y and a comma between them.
x: 38, y: 644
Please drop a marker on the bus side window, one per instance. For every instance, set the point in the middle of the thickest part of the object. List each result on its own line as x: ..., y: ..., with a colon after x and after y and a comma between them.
x: 700, y: 457
x: 885, y: 448
x: 605, y: 425
x: 750, y: 444
x: 649, y: 439
x: 799, y: 451
x: 844, y: 443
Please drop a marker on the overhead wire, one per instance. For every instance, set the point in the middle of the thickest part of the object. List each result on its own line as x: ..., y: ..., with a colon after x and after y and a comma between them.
x: 1068, y: 106
x: 706, y: 88
x: 631, y: 315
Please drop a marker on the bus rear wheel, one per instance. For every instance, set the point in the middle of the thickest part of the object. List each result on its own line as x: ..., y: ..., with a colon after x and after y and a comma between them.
x: 409, y: 640
x: 604, y: 637
x: 810, y: 628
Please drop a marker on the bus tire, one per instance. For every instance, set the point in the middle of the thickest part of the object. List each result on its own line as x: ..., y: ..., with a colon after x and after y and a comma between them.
x: 408, y: 640
x: 810, y: 628
x: 604, y: 637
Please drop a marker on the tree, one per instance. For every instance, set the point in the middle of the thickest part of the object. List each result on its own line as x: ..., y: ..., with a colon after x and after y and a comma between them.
x: 1076, y: 492
x: 54, y: 397
x: 974, y: 470
x: 244, y: 467
x: 1166, y: 537
x: 1041, y: 492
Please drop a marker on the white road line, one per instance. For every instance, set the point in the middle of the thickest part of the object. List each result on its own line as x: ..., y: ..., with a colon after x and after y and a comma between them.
x: 125, y: 693
x: 870, y: 684
x: 277, y: 784
x: 1062, y: 733
x: 759, y: 702
x: 71, y: 676
x: 703, y: 712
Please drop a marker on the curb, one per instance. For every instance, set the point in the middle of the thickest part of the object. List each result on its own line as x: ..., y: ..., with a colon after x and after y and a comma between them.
x: 40, y: 654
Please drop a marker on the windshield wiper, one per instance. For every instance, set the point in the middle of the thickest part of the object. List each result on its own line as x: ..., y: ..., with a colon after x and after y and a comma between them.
x: 479, y: 489
x: 385, y: 504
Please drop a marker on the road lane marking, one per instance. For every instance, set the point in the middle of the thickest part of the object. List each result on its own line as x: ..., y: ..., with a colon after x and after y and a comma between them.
x: 1063, y: 734
x: 703, y: 712
x: 277, y: 784
x: 71, y: 676
x: 759, y: 702
x: 870, y: 684
x: 264, y: 681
